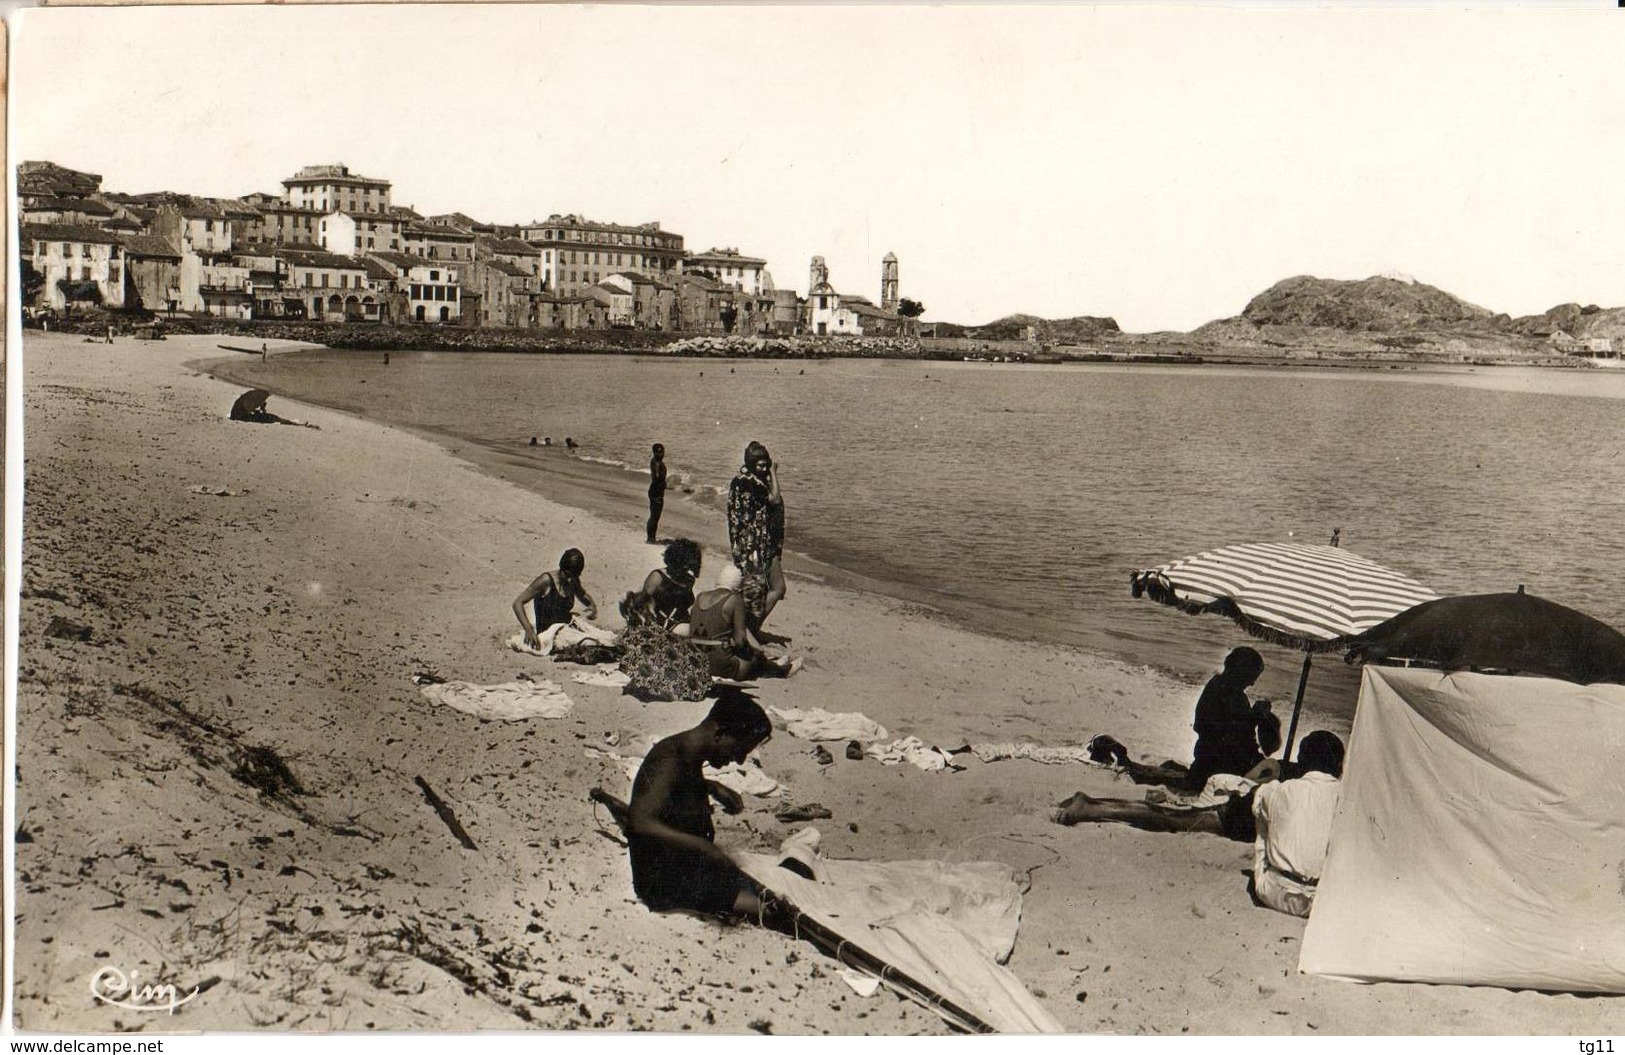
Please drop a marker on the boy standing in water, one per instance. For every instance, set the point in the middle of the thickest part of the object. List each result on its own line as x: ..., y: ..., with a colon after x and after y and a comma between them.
x: 657, y: 489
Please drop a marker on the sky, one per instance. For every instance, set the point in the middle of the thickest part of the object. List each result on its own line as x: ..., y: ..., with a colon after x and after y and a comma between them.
x: 1159, y: 165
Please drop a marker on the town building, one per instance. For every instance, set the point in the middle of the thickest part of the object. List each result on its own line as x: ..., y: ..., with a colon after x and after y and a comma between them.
x: 152, y: 274
x: 354, y: 233
x: 496, y: 292
x: 432, y: 293
x: 577, y: 253
x: 46, y: 179
x: 334, y: 188
x: 329, y: 287
x: 654, y: 303
x: 731, y: 268
x: 81, y: 266
x: 437, y: 241
x: 829, y: 312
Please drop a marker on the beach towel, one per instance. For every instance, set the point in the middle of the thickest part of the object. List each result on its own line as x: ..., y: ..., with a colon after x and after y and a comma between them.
x: 562, y: 635
x: 817, y: 724
x: 949, y: 926
x: 915, y: 752
x: 511, y: 702
x: 1219, y: 789
x: 603, y: 674
x: 1049, y: 756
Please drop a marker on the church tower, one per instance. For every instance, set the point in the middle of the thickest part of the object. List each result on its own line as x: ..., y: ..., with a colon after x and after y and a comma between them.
x: 888, y: 282
x: 819, y: 275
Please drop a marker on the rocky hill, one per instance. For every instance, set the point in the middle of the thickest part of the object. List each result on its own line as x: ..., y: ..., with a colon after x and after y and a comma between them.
x: 1075, y: 330
x: 1377, y: 304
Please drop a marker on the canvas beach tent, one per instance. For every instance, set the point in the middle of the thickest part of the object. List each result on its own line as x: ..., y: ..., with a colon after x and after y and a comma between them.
x: 1480, y: 839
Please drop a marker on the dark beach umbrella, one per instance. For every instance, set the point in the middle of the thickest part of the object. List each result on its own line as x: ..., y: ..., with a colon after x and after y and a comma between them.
x: 1498, y: 633
x: 250, y: 402
x: 1303, y: 596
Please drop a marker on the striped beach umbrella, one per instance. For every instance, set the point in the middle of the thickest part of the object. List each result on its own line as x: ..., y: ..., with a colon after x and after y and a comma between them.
x: 1303, y: 596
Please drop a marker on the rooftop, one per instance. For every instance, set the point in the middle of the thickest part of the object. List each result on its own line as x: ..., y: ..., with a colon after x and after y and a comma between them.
x: 311, y: 174
x: 150, y: 245
x: 317, y: 258
x: 69, y: 232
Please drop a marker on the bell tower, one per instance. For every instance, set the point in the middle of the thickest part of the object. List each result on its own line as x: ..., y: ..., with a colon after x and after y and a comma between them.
x: 888, y: 282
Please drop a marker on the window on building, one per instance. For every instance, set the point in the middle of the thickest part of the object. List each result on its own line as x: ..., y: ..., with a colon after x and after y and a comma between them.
x: 434, y: 276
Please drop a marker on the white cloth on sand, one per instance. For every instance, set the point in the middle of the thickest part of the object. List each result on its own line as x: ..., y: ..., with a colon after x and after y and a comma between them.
x: 1050, y: 756
x: 603, y: 674
x: 915, y: 752
x: 815, y: 723
x: 948, y: 926
x: 511, y: 702
x: 1219, y: 789
x: 562, y: 635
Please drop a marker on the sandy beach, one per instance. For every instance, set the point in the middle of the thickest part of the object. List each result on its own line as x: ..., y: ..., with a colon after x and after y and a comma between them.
x: 176, y: 642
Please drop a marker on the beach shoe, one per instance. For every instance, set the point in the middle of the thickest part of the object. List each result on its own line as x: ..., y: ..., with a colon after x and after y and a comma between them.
x: 854, y: 751
x: 822, y: 756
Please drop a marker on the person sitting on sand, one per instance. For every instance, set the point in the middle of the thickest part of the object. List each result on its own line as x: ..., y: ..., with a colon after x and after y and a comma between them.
x: 1232, y: 734
x: 676, y: 863
x: 553, y: 595
x: 1232, y: 818
x: 1294, y: 823
x: 250, y: 406
x: 667, y: 594
x: 718, y: 618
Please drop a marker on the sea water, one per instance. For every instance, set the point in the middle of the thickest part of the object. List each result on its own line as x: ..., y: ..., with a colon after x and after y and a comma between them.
x: 1018, y: 498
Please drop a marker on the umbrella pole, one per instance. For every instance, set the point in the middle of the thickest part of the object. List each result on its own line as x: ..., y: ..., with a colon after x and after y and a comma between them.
x: 1297, y: 705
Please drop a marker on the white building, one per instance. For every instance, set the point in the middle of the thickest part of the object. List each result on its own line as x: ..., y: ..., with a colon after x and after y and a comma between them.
x: 80, y: 264
x: 731, y: 268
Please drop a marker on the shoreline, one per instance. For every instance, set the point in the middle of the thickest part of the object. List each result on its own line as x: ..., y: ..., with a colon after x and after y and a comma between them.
x: 290, y: 616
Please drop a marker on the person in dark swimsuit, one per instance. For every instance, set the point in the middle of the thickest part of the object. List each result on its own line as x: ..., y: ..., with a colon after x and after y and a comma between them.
x: 552, y: 595
x: 667, y: 595
x: 676, y: 863
x: 1232, y: 734
x: 657, y: 489
x: 719, y: 617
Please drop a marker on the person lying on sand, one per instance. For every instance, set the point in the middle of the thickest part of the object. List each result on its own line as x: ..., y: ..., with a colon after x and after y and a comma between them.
x: 667, y: 594
x: 553, y: 595
x: 1320, y: 752
x: 718, y: 617
x: 676, y: 863
x: 1232, y: 734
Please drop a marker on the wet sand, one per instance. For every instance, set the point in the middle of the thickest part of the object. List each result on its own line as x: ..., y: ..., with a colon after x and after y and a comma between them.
x: 156, y: 834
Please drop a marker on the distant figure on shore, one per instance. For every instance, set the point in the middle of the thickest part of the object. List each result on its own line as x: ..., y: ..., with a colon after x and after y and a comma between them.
x: 1294, y: 822
x: 756, y: 532
x: 569, y: 444
x: 547, y: 441
x: 265, y: 352
x: 676, y: 863
x: 657, y: 490
x: 668, y: 593
x: 109, y: 333
x: 386, y: 358
x: 553, y: 595
x: 718, y: 619
x: 533, y: 441
x: 1232, y: 734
